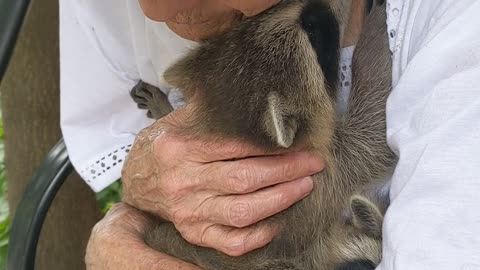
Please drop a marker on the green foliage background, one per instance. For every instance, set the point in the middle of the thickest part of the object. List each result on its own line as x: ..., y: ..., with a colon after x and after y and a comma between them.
x: 108, y: 197
x: 4, y: 215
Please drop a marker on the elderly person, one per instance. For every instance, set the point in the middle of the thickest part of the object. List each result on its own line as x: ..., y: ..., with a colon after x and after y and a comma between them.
x: 432, y: 126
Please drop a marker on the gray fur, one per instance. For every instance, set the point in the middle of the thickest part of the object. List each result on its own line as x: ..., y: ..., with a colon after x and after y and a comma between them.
x: 232, y: 77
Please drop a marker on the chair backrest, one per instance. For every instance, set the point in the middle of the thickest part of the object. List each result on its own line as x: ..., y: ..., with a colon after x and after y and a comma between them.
x: 12, y: 14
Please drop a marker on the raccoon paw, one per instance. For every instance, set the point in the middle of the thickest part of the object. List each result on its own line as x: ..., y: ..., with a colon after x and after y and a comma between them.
x: 152, y: 99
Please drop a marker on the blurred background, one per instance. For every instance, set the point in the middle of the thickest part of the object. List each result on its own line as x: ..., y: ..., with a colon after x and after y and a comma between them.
x: 29, y: 128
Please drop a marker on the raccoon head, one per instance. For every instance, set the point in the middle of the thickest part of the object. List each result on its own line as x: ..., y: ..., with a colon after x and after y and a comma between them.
x: 356, y: 242
x: 272, y: 78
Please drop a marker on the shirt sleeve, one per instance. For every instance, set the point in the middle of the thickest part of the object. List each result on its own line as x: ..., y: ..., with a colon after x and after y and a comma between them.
x: 99, y: 120
x: 433, y: 125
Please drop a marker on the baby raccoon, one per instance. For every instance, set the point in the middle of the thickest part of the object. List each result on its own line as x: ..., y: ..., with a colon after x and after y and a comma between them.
x: 272, y: 80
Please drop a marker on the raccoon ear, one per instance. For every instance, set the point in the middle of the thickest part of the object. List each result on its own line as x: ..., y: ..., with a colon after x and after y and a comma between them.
x: 279, y: 124
x: 366, y: 215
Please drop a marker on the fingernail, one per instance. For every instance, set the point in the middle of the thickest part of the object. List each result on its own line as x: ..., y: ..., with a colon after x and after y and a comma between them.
x: 306, y: 185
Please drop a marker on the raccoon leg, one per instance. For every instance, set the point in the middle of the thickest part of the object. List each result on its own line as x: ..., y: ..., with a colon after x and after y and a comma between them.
x: 152, y: 99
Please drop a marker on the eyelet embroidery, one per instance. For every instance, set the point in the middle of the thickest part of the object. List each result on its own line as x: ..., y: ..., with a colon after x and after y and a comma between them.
x: 344, y: 80
x: 106, y: 163
x: 394, y: 12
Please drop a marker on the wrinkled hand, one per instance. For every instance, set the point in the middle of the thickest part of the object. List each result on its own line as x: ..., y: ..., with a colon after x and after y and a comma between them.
x: 213, y: 190
x: 116, y: 243
x: 198, y: 19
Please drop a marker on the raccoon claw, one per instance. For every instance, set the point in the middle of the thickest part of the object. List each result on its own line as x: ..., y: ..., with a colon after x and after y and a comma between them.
x: 151, y: 98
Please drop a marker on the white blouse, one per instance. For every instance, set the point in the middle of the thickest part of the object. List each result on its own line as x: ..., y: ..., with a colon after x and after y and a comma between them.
x: 433, y: 126
x: 433, y: 114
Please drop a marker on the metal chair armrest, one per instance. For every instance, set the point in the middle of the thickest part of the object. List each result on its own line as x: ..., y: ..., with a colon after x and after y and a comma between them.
x: 33, y: 208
